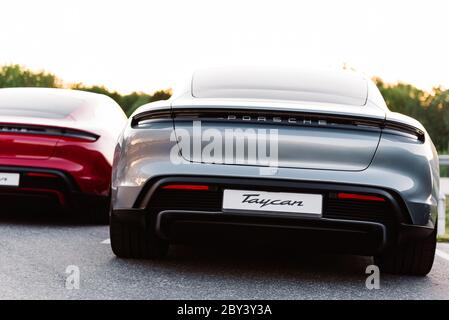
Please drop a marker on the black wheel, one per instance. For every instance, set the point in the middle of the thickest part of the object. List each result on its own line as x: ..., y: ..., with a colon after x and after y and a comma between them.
x: 132, y: 240
x: 414, y: 258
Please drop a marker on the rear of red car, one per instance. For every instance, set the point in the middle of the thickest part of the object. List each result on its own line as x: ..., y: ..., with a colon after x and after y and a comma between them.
x: 56, y: 149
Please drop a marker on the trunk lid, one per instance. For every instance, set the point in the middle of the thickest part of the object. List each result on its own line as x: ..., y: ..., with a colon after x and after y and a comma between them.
x: 310, y: 136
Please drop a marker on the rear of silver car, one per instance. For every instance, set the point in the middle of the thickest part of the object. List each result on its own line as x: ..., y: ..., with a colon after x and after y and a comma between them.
x: 319, y: 160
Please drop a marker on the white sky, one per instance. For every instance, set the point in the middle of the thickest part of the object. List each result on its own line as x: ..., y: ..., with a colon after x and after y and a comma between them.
x: 146, y: 44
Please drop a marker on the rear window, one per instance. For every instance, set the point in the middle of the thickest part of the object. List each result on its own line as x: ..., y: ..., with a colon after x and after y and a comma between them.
x: 341, y: 87
x: 39, y: 108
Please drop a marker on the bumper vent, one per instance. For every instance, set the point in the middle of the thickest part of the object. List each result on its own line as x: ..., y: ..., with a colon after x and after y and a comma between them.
x: 187, y: 200
x: 359, y: 210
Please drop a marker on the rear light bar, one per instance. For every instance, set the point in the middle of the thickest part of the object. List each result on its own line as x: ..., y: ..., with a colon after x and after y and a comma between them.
x: 145, y: 119
x: 186, y: 187
x: 290, y: 118
x: 48, y: 131
x: 405, y: 129
x: 307, y: 119
x: 355, y: 196
x: 77, y: 134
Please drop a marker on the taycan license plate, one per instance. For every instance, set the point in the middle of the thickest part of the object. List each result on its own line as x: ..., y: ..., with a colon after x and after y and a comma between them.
x: 9, y: 179
x: 280, y: 202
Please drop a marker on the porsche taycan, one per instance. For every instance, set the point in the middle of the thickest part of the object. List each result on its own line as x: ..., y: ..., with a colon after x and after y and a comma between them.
x: 56, y: 150
x: 308, y: 158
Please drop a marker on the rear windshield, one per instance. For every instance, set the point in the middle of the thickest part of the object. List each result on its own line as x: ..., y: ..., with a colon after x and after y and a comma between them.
x: 38, y: 109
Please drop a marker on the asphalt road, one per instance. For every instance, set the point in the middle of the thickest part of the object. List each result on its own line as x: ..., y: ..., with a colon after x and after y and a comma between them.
x: 35, y: 252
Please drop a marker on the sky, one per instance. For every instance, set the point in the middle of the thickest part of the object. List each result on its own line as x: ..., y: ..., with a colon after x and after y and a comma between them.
x: 146, y: 45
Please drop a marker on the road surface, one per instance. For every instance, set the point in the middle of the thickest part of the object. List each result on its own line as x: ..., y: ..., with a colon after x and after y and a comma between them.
x: 36, y: 251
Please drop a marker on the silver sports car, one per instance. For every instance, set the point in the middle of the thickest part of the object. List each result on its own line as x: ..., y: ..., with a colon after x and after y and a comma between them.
x: 304, y: 158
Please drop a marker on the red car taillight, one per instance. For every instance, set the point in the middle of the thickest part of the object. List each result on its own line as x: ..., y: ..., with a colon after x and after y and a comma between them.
x: 40, y: 175
x: 19, y: 129
x: 355, y: 196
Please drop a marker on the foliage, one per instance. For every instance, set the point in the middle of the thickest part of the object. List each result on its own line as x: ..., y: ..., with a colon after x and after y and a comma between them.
x: 429, y: 108
x: 18, y: 76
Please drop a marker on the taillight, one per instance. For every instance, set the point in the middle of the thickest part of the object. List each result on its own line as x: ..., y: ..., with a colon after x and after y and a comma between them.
x: 197, y: 187
x: 48, y: 131
x: 404, y: 129
x: 356, y: 196
x: 77, y: 134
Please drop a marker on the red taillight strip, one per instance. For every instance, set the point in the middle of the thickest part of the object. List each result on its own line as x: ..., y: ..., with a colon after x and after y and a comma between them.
x: 186, y: 187
x: 355, y: 196
x: 40, y: 175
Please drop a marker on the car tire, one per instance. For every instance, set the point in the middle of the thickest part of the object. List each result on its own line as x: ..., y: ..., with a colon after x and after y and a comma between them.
x: 414, y: 258
x: 134, y: 241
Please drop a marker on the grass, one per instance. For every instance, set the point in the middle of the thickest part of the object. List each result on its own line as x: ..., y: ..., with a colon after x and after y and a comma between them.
x: 445, y: 238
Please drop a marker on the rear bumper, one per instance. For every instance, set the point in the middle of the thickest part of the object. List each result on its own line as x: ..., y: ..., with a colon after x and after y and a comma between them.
x: 44, y: 188
x: 344, y: 236
x: 92, y: 176
x: 344, y: 227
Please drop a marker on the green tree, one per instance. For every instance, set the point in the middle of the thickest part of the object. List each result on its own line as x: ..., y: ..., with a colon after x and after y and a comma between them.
x: 403, y: 98
x: 98, y: 89
x: 17, y: 76
x: 436, y: 118
x: 431, y: 109
x: 129, y: 102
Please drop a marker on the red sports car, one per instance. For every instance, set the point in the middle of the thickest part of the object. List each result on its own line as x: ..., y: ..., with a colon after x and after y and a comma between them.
x: 56, y: 149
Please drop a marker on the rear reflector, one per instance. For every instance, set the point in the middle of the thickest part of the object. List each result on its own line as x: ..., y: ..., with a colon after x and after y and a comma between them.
x: 355, y: 196
x: 41, y: 175
x: 186, y: 187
